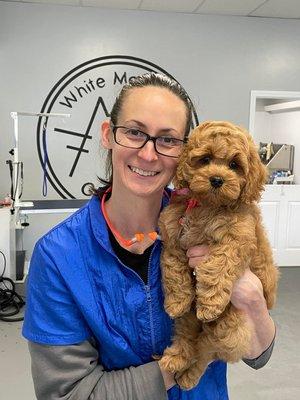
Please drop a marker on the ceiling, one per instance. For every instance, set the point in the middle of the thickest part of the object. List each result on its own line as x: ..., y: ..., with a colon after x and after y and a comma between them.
x: 247, y: 8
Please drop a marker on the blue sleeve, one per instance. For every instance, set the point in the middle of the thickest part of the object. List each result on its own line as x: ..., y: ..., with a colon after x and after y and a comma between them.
x: 51, y: 315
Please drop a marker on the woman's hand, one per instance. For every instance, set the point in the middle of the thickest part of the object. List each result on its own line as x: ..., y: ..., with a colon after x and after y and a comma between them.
x: 247, y: 292
x: 197, y: 255
x: 248, y: 297
x: 168, y: 378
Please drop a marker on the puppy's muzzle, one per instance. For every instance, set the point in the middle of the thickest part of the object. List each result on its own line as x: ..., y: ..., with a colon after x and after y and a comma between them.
x: 216, y: 181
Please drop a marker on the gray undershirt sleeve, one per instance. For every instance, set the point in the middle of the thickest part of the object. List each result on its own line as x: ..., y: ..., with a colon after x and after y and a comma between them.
x: 260, y: 361
x: 72, y: 372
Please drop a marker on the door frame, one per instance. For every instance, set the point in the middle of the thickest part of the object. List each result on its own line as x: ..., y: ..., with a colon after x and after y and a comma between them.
x: 267, y: 94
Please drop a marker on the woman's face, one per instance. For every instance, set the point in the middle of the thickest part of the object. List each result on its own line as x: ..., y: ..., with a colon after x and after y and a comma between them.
x: 155, y: 111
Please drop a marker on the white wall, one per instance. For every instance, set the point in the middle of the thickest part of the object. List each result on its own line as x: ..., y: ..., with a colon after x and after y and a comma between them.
x: 217, y: 59
x: 263, y: 127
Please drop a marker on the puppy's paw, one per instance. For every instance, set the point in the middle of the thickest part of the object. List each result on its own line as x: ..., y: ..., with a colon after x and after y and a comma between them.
x: 187, y: 380
x: 208, y: 314
x: 173, y: 362
x: 177, y: 309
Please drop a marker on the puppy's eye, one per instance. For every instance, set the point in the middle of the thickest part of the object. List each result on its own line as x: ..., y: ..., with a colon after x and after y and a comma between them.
x: 233, y: 165
x: 204, y: 160
x: 197, y: 161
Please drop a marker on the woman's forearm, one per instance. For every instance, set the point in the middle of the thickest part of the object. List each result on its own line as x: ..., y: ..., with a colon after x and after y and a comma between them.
x: 248, y: 297
x: 262, y: 328
x: 72, y: 372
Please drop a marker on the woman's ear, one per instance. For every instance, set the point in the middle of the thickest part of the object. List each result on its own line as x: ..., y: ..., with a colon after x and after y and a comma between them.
x: 106, y: 135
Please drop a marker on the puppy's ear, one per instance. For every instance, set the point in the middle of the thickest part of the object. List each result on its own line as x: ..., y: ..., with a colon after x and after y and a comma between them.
x: 257, y: 175
x: 183, y: 175
x: 180, y: 180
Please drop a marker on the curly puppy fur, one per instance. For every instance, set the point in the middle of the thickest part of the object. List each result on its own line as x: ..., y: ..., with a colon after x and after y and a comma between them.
x: 221, y: 168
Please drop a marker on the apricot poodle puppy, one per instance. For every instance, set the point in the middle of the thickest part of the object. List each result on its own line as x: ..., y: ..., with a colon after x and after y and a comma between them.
x: 218, y: 180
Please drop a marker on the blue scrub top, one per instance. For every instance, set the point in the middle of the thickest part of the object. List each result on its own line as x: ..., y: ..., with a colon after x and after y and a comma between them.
x: 78, y: 288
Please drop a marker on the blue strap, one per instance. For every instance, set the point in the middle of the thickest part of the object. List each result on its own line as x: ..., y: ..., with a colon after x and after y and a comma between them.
x: 45, y: 158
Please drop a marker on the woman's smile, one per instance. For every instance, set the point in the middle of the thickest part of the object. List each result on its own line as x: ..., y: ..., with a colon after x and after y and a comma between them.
x: 142, y: 172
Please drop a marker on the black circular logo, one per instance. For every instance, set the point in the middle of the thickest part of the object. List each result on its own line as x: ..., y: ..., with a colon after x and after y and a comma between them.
x: 69, y: 148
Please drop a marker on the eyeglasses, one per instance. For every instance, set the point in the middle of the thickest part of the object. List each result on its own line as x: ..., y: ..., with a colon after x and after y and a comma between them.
x: 135, y: 139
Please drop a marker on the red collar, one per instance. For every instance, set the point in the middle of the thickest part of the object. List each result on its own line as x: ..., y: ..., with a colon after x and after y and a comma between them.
x: 191, y: 202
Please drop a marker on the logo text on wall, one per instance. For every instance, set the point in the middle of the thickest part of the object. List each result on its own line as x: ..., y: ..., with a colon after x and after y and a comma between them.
x: 69, y: 149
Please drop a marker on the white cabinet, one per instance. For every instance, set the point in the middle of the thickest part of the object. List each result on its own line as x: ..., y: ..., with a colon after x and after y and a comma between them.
x: 280, y: 205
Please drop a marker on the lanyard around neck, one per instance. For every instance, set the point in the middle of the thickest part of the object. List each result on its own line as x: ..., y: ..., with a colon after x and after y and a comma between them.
x: 138, y: 237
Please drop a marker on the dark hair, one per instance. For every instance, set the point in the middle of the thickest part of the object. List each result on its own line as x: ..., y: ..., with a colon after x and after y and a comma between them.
x: 149, y: 79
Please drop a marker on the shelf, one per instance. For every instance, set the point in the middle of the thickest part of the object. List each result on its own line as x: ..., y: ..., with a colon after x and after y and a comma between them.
x: 280, y: 107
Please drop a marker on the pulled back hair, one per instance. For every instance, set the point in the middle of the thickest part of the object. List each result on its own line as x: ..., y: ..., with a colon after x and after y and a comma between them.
x: 141, y: 81
x: 156, y: 80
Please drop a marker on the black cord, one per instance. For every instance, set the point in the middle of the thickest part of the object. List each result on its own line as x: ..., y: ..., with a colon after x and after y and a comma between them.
x: 10, y: 301
x: 17, y: 180
x: 9, y: 163
x: 13, y: 190
x: 21, y: 179
x: 19, y: 172
x: 4, y: 263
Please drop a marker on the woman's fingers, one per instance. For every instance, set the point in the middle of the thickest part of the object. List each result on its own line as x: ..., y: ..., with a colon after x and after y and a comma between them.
x: 197, y: 254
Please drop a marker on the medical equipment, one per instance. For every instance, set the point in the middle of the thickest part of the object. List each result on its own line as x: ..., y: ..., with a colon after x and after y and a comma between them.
x: 279, y: 158
x: 16, y: 166
x: 11, y: 217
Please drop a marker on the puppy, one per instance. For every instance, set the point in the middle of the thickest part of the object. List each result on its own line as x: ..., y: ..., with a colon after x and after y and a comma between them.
x: 219, y: 179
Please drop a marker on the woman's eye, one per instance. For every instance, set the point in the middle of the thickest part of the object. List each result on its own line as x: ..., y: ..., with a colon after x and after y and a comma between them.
x: 168, y: 141
x: 233, y: 165
x: 134, y: 133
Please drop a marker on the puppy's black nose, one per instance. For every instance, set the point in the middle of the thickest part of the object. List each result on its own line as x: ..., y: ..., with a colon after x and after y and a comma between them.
x: 216, y: 181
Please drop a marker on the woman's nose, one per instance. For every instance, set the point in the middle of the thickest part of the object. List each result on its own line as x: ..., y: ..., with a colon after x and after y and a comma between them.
x: 148, y: 152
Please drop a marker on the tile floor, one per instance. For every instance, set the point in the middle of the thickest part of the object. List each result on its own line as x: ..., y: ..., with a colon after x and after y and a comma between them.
x: 279, y: 380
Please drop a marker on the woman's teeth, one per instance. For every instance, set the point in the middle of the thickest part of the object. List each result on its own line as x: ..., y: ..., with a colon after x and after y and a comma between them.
x: 142, y: 172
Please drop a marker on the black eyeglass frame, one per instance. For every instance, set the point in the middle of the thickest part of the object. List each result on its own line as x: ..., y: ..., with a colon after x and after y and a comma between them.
x: 148, y: 139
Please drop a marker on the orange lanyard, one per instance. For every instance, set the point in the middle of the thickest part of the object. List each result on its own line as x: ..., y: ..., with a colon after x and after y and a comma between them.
x: 138, y: 237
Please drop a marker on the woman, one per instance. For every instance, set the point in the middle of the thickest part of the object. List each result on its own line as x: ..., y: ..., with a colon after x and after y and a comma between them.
x: 95, y: 317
